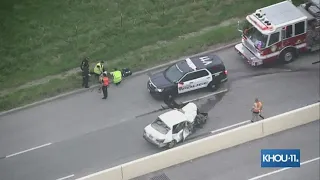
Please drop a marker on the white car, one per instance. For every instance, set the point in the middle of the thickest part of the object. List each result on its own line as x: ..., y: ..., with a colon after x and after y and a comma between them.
x: 174, y: 126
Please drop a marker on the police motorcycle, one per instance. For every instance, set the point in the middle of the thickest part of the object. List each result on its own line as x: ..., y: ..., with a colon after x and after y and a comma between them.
x: 126, y: 72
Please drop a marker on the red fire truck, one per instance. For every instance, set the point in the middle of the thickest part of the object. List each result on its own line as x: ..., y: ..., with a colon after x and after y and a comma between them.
x: 280, y: 32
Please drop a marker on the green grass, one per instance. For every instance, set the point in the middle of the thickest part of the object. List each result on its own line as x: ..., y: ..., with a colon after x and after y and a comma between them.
x: 36, y: 93
x: 177, y: 48
x: 36, y: 42
x: 44, y: 37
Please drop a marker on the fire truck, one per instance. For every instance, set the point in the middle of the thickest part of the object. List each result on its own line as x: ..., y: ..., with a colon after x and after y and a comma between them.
x: 280, y: 32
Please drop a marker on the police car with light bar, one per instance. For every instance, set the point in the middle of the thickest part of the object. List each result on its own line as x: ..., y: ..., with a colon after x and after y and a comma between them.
x: 188, y: 75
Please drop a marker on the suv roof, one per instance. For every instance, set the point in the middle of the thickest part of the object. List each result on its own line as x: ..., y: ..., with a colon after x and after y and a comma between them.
x: 199, y: 62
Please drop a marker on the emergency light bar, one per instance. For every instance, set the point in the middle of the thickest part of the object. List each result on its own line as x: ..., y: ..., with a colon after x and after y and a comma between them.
x: 263, y: 23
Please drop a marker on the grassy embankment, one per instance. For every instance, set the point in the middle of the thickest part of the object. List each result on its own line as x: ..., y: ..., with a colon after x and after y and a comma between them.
x: 41, y: 38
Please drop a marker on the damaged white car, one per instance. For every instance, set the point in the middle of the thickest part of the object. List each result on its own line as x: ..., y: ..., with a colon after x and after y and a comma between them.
x: 175, y: 126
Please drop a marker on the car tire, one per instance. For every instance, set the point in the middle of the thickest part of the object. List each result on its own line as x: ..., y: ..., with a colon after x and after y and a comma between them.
x: 213, y: 86
x: 204, y: 121
x: 191, y: 127
x: 171, y: 93
x: 172, y: 144
x: 288, y: 55
x: 201, y: 120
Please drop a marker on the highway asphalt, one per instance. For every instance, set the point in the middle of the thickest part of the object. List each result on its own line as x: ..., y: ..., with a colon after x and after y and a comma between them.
x: 82, y: 134
x: 243, y: 162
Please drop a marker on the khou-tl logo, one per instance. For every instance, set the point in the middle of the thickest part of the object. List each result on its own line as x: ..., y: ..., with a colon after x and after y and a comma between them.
x: 280, y: 158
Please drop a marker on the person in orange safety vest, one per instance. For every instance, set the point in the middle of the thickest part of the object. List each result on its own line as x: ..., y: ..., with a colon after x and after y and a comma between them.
x: 256, y: 110
x: 105, y: 83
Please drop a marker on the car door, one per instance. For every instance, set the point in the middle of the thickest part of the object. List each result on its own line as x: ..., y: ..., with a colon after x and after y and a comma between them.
x: 194, y: 80
x: 177, y: 132
x: 204, y: 78
x: 186, y: 130
x: 186, y: 83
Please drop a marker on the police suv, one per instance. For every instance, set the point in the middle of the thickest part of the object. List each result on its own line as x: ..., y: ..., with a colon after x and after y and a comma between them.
x: 188, y: 75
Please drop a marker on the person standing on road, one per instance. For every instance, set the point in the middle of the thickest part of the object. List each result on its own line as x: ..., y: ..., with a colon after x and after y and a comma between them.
x: 85, y: 72
x: 256, y: 110
x: 117, y: 76
x: 105, y: 84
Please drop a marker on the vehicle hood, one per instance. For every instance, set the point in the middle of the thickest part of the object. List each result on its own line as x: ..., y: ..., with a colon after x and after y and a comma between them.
x: 160, y: 81
x: 190, y: 111
x: 153, y: 132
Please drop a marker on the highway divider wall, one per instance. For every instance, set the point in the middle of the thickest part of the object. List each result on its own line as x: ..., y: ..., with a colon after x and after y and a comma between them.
x: 209, y: 144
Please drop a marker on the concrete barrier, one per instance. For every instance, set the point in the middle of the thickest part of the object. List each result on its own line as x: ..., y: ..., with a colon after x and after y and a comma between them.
x: 191, y: 151
x: 291, y: 119
x: 114, y: 173
x: 210, y: 144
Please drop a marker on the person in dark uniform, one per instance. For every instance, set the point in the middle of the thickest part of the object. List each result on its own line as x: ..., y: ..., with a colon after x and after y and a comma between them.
x: 84, y: 63
x: 85, y: 72
x: 105, y: 84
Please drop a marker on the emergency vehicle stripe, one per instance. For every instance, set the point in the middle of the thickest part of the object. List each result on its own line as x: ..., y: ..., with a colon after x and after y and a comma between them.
x: 278, y: 52
x: 191, y: 64
x: 301, y: 45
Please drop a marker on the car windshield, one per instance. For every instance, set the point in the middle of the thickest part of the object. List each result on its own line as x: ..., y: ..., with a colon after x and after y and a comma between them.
x: 173, y: 73
x: 160, y: 126
x: 259, y: 40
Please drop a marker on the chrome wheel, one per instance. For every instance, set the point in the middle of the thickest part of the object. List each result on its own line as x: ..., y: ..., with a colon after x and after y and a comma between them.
x: 288, y: 57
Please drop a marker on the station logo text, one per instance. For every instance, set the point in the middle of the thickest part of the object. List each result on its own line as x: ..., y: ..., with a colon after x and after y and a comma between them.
x: 280, y: 158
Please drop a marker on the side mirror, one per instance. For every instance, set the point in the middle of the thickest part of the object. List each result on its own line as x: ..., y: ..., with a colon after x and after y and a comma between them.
x: 239, y: 29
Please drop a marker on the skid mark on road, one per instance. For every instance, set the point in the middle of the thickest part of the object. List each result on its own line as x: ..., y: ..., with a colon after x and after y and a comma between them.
x: 218, y: 93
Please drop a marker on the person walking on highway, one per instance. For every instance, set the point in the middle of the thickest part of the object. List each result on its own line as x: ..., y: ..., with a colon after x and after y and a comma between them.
x: 256, y: 110
x: 117, y: 76
x: 105, y: 84
x: 85, y: 72
x: 98, y: 69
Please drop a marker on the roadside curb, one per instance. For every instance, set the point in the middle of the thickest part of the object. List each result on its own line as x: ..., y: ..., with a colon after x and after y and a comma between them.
x: 182, y: 58
x: 95, y: 86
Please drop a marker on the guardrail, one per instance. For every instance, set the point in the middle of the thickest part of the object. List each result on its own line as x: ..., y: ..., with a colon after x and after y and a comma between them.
x: 209, y: 145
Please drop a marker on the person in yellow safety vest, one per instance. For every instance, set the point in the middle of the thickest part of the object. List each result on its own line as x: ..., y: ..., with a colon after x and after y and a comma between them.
x: 98, y: 69
x: 256, y: 110
x: 117, y: 76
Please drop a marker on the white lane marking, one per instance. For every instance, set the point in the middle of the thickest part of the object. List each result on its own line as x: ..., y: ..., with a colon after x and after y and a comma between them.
x: 283, y: 169
x: 211, y: 94
x: 66, y: 177
x: 31, y: 149
x: 231, y: 126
